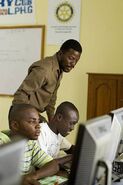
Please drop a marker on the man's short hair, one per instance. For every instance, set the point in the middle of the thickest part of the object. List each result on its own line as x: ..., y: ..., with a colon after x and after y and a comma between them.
x: 66, y: 106
x: 71, y: 44
x: 16, y: 109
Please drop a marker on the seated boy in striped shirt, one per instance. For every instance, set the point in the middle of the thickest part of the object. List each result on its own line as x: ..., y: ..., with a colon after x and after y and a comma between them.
x: 24, y: 121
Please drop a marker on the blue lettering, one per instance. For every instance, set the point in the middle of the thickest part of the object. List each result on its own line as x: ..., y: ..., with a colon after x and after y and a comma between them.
x: 17, y: 9
x: 23, y: 2
x: 30, y: 9
x: 9, y: 2
x: 20, y: 10
x: 29, y: 2
x: 17, y: 3
x: 2, y: 3
x: 9, y: 12
x: 23, y: 9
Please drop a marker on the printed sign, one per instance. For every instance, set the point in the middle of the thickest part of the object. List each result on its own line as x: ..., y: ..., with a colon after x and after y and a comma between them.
x: 17, y: 11
x: 63, y: 20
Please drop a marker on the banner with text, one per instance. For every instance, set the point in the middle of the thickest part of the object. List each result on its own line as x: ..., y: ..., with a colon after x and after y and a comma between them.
x: 17, y: 12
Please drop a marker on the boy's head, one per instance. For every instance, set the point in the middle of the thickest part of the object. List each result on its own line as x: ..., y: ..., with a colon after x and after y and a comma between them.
x: 24, y: 120
x: 66, y: 116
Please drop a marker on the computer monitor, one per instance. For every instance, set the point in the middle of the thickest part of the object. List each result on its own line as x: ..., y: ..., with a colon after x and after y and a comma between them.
x: 11, y: 156
x: 91, y: 148
x: 117, y: 129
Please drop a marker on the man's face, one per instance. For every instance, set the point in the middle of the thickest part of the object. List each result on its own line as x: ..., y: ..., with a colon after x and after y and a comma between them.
x: 69, y: 59
x: 67, y: 123
x: 28, y: 125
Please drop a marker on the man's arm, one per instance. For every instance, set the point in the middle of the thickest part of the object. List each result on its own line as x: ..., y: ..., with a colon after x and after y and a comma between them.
x: 28, y: 180
x: 48, y: 169
x: 51, y: 106
x: 44, y: 163
x: 66, y: 159
x: 33, y: 80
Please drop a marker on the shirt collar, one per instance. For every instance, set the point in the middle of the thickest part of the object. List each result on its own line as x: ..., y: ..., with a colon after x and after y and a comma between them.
x: 56, y: 65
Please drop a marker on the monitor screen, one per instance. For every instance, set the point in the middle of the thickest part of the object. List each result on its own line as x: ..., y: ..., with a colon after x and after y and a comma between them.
x: 117, y: 131
x: 11, y: 155
x: 119, y: 116
x: 92, y: 143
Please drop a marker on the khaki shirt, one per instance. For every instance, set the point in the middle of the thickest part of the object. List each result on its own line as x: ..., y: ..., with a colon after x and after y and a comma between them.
x: 39, y: 88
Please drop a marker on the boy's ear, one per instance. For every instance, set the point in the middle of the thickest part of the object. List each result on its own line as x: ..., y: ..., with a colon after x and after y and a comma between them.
x: 59, y: 117
x: 14, y: 126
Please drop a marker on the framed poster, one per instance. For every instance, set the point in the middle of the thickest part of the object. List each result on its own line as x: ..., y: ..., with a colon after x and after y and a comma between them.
x: 63, y: 21
x: 20, y: 46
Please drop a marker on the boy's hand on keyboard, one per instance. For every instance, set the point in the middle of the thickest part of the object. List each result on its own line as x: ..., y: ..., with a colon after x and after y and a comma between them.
x: 29, y: 180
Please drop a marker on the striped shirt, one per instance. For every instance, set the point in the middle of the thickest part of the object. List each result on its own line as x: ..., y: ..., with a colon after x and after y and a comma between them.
x: 3, y: 138
x: 34, y: 157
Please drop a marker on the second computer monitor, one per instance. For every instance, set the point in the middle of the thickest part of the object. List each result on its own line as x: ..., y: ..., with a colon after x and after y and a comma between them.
x: 92, y: 146
x: 117, y: 131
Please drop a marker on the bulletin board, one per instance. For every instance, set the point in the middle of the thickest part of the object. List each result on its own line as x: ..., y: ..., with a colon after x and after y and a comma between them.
x: 20, y: 46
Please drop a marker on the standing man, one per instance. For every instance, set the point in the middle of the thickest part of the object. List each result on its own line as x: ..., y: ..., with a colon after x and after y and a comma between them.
x: 40, y: 86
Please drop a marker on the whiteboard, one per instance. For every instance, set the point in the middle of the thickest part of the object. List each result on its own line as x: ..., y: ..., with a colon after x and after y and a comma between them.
x: 19, y: 48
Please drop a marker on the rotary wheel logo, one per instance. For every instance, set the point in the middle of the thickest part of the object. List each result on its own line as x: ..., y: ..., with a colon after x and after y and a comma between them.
x: 64, y: 12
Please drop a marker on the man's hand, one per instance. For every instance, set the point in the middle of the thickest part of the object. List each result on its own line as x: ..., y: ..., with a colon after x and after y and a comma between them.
x: 29, y: 180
